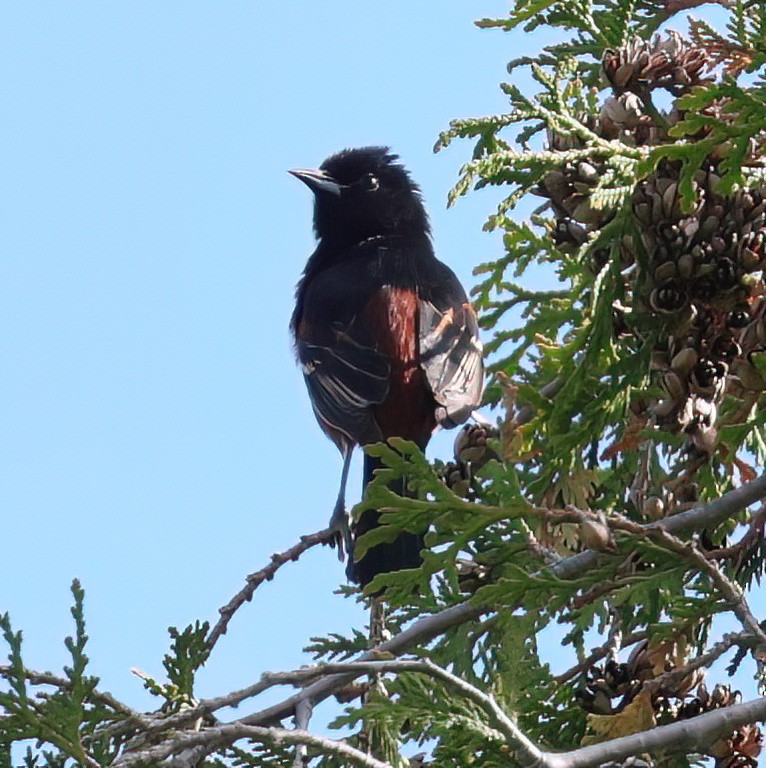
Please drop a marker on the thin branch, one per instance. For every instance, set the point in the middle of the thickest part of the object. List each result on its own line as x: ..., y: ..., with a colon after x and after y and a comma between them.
x: 706, y: 515
x: 422, y: 631
x: 716, y: 511
x: 225, y: 735
x: 303, y: 714
x: 676, y: 6
x: 683, y: 735
x: 542, y: 553
x: 527, y: 752
x: 671, y: 678
x: 254, y: 580
x: 497, y: 716
x: 753, y: 534
x: 526, y: 413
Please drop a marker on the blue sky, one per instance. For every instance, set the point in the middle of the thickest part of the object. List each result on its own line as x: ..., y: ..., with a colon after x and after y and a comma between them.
x: 157, y: 441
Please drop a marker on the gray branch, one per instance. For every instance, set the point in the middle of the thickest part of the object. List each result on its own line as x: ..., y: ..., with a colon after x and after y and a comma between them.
x: 691, y: 735
x: 679, y: 674
x: 225, y: 735
x: 596, y: 656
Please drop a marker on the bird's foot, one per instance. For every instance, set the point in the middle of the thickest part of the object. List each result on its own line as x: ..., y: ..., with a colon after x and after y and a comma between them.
x: 341, y: 538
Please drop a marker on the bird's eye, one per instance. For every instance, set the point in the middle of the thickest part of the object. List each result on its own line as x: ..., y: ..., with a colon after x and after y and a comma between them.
x: 370, y: 182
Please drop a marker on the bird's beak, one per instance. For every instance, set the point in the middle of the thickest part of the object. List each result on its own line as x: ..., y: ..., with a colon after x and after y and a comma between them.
x: 317, y: 181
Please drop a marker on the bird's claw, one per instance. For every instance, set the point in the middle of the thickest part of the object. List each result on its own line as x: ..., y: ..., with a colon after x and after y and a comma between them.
x: 341, y: 538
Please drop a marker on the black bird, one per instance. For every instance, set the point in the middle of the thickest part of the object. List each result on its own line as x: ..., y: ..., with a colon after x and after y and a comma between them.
x: 384, y: 333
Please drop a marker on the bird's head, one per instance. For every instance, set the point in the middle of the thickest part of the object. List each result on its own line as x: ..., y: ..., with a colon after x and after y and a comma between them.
x: 361, y: 193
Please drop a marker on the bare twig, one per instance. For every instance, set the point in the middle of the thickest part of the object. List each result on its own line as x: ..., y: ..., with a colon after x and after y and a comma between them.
x: 254, y: 580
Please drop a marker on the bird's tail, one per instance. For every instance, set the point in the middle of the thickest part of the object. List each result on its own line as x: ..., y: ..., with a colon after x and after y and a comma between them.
x: 403, y: 552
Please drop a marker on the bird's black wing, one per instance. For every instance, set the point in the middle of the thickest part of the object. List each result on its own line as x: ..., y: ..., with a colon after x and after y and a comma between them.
x: 344, y: 379
x: 450, y: 349
x: 345, y: 373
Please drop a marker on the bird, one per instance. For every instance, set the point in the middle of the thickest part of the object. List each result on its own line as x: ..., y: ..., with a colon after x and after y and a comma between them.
x: 384, y: 333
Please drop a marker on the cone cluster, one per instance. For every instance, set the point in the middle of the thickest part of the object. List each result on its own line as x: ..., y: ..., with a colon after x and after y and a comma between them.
x: 612, y: 686
x: 702, y: 274
x: 667, y: 62
x: 697, y: 268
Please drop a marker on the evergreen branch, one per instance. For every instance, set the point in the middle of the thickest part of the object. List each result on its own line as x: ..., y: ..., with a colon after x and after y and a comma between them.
x: 256, y: 726
x: 730, y: 591
x: 754, y: 533
x: 426, y: 629
x: 677, y: 6
x: 675, y: 676
x: 62, y: 683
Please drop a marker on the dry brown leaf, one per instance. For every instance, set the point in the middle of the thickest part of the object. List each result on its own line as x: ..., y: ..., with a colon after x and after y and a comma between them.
x: 746, y: 472
x: 638, y: 716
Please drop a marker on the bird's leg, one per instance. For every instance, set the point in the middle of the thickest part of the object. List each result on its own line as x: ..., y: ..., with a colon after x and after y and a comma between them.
x: 303, y: 711
x: 339, y: 520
